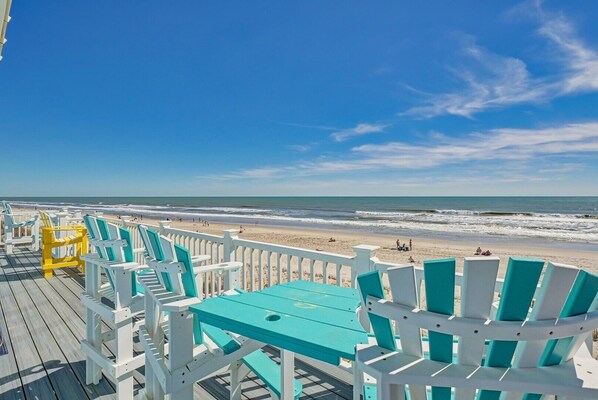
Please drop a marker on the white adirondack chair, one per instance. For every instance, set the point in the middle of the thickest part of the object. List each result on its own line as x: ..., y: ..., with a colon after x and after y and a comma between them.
x: 115, y: 256
x: 179, y: 350
x: 19, y: 228
x: 534, y: 345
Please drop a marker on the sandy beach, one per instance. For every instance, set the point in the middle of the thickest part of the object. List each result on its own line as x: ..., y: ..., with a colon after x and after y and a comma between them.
x: 423, y: 248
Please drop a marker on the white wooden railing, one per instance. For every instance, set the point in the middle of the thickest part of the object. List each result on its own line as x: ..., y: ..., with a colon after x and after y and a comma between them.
x: 264, y: 264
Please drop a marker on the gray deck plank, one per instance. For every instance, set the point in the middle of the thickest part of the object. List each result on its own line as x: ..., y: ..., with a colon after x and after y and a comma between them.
x: 61, y: 322
x: 69, y: 291
x: 11, y: 386
x: 57, y: 300
x: 36, y: 383
x: 61, y: 375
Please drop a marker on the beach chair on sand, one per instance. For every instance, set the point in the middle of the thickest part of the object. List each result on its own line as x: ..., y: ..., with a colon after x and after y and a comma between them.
x: 123, y: 312
x: 535, y: 343
x: 19, y: 228
x: 77, y: 243
x: 179, y: 349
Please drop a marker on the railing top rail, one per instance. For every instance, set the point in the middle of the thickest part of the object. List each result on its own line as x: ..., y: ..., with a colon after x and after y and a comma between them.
x: 197, y: 235
x: 297, y: 251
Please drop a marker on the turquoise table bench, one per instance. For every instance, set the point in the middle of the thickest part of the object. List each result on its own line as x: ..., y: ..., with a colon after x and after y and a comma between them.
x: 311, y: 319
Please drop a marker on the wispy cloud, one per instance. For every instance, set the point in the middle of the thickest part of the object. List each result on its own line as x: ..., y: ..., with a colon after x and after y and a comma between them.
x: 496, y: 145
x: 500, y: 81
x: 357, y: 130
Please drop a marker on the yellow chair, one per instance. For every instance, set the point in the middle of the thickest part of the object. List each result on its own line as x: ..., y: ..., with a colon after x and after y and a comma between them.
x: 50, y: 242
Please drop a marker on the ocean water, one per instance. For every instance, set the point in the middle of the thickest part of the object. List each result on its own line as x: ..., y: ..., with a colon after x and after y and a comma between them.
x: 559, y: 220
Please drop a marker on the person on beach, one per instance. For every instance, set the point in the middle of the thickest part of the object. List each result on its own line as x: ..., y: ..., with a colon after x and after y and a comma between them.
x: 331, y: 240
x: 478, y: 251
x: 410, y: 244
x: 398, y: 245
x: 411, y: 260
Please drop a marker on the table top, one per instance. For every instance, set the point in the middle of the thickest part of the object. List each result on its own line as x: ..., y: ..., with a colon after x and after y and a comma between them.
x: 308, y: 318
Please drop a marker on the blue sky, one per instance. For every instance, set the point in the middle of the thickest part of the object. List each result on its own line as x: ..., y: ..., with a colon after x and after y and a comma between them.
x: 300, y: 98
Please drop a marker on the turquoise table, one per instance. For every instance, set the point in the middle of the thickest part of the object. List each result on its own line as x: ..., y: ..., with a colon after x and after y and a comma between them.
x: 307, y: 318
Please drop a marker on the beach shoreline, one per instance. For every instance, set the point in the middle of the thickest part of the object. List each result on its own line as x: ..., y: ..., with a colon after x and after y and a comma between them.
x: 424, y: 248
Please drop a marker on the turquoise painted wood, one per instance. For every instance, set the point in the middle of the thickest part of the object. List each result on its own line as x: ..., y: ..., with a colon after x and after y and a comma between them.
x: 258, y: 362
x: 289, y: 292
x: 269, y: 371
x: 439, y: 281
x: 313, y: 336
x: 222, y: 340
x: 325, y: 289
x: 582, y: 296
x: 340, y: 318
x: 370, y: 284
x: 518, y: 290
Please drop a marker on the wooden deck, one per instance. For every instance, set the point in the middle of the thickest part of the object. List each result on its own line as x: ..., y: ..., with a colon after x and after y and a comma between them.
x: 42, y: 322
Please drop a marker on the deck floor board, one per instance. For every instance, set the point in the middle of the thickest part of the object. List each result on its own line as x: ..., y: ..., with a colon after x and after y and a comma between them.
x: 42, y: 322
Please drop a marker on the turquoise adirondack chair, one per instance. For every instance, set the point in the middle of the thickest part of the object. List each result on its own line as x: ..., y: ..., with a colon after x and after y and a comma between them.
x: 534, y: 343
x: 195, y: 351
x: 115, y: 257
x: 18, y: 229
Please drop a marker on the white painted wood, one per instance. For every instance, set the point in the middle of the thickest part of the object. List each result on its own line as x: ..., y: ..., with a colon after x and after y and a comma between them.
x: 575, y: 378
x: 404, y: 292
x: 287, y: 364
x: 477, y: 292
x: 557, y: 282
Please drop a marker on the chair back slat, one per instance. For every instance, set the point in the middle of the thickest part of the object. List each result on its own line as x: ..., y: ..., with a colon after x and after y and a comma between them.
x: 581, y: 299
x: 370, y: 284
x: 477, y: 294
x: 404, y: 290
x: 439, y: 281
x: 521, y: 281
x: 552, y: 294
x: 178, y: 282
x: 168, y: 252
x: 94, y: 234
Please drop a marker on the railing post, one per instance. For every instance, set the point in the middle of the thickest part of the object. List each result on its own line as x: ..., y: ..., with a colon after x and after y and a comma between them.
x: 365, y: 258
x: 232, y: 280
x: 163, y: 226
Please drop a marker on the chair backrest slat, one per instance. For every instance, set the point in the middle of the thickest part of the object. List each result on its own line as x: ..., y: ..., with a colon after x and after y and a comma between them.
x: 552, y: 294
x: 404, y: 290
x: 370, y: 284
x: 477, y: 294
x: 521, y: 281
x: 439, y: 281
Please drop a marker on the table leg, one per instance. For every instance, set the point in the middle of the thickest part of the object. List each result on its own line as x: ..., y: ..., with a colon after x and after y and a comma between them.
x: 287, y: 364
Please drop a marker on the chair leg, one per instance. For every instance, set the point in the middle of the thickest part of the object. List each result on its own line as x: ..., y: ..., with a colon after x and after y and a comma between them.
x: 47, y: 261
x: 287, y: 363
x: 181, y: 351
x: 238, y: 372
x: 8, y: 239
x: 357, y: 382
x: 390, y: 391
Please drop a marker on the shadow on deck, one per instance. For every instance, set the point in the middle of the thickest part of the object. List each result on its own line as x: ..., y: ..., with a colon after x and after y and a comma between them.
x: 42, y: 322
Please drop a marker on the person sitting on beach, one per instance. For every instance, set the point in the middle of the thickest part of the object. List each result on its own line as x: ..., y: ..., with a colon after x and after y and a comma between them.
x: 411, y: 260
x: 487, y: 253
x: 478, y: 251
x: 331, y: 240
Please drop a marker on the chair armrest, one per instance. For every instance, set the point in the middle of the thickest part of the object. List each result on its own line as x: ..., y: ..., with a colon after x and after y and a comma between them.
x: 222, y: 267
x: 127, y: 266
x: 66, y: 228
x: 200, y: 258
x: 180, y: 305
x: 139, y: 250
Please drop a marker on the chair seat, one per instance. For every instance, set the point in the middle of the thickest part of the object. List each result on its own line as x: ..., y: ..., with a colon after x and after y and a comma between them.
x: 574, y: 378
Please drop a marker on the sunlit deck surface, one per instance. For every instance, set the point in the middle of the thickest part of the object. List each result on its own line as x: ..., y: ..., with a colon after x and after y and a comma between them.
x: 42, y: 322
